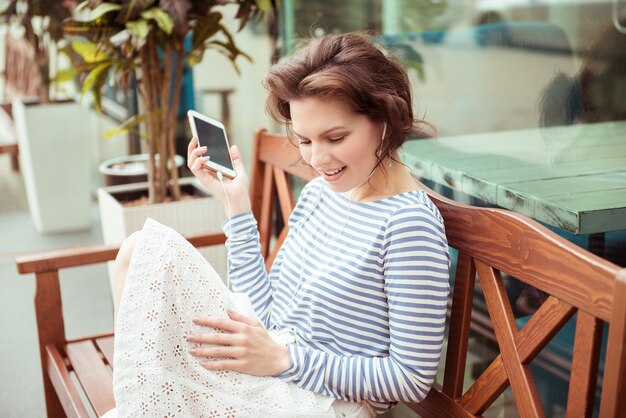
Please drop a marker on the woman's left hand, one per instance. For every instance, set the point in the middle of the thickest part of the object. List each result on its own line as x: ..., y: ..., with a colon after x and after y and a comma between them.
x: 244, y: 347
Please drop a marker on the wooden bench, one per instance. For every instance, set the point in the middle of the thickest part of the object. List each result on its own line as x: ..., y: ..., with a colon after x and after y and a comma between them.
x: 489, y: 241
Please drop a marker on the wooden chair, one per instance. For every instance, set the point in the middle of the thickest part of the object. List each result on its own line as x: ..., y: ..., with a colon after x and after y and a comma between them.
x: 489, y: 241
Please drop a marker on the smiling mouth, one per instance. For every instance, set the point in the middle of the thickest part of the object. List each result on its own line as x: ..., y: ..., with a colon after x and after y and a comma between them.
x: 333, y: 172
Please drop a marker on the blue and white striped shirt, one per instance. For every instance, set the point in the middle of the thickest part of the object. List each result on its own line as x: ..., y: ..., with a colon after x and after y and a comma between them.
x: 363, y: 286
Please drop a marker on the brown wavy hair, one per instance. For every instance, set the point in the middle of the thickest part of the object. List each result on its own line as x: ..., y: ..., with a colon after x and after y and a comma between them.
x: 349, y: 67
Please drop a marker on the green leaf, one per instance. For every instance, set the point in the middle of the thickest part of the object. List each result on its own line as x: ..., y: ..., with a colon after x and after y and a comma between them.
x: 89, y: 51
x: 93, y: 31
x: 82, y: 6
x: 206, y: 27
x: 162, y: 18
x: 195, y: 57
x: 103, y: 9
x: 231, y: 46
x: 264, y: 5
x: 65, y: 75
x: 94, y: 82
x: 131, y: 9
x: 125, y: 127
x: 179, y: 11
x: 113, y: 132
x: 140, y: 28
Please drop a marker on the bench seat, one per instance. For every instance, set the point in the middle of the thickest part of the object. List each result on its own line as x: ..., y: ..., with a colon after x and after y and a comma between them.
x: 83, y: 367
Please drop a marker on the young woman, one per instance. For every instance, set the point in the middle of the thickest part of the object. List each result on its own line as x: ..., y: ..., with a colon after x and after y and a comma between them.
x: 350, y: 320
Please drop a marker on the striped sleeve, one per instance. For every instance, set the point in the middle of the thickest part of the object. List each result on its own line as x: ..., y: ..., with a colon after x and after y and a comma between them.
x: 416, y: 266
x: 246, y: 267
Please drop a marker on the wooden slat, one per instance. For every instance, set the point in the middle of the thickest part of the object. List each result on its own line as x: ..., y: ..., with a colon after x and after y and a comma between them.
x: 612, y: 180
x: 279, y: 242
x: 63, y: 385
x: 64, y: 258
x: 438, y: 405
x: 568, y: 200
x: 50, y: 330
x: 91, y: 337
x: 105, y: 344
x: 277, y: 151
x: 520, y: 376
x: 533, y: 337
x: 613, y: 402
x: 93, y: 375
x: 285, y: 195
x: 81, y: 256
x: 582, y: 389
x: 206, y: 240
x: 267, y: 205
x: 460, y: 316
x: 596, y: 212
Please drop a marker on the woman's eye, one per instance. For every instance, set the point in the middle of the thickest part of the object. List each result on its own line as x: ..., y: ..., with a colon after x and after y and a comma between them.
x: 303, y: 142
x: 336, y: 139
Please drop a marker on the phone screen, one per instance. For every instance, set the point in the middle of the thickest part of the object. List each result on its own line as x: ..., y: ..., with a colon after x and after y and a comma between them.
x: 214, y: 138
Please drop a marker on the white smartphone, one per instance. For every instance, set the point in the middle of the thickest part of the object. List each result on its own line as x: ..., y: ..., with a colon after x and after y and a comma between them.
x: 212, y: 134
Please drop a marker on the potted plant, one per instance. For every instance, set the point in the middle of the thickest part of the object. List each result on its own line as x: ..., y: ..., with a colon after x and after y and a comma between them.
x: 145, y: 40
x: 51, y: 130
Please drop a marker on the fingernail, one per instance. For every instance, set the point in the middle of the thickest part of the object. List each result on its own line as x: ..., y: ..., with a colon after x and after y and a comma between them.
x: 195, y: 319
x: 193, y: 351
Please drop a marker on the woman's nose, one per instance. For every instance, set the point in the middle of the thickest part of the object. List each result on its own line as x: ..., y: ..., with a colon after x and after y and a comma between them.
x: 319, y: 155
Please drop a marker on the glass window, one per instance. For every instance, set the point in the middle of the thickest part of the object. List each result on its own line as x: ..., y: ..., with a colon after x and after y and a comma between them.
x: 529, y: 98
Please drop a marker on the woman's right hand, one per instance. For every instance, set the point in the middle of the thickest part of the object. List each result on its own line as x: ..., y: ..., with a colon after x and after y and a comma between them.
x: 237, y: 188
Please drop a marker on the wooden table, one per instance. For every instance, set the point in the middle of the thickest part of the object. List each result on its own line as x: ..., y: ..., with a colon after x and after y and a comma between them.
x: 573, y: 178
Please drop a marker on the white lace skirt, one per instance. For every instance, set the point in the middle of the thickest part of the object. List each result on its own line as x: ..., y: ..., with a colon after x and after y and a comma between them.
x: 168, y: 283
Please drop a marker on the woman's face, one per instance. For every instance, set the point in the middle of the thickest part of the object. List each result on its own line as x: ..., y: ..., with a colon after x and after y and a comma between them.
x: 338, y: 143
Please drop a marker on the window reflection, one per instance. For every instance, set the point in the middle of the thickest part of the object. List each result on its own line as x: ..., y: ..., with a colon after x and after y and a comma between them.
x: 493, y: 65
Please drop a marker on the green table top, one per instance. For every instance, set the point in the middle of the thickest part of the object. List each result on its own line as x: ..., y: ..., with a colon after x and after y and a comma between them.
x: 573, y: 178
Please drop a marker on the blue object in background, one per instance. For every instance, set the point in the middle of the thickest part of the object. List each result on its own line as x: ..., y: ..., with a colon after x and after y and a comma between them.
x: 187, y: 99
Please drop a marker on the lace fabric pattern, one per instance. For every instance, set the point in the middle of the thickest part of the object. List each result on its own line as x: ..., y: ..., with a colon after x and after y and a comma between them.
x: 168, y: 283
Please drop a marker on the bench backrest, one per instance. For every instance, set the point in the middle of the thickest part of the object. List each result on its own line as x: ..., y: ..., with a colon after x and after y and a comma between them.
x: 491, y: 242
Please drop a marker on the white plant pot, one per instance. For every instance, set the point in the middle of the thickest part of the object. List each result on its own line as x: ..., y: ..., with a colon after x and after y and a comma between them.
x: 54, y: 141
x: 188, y: 217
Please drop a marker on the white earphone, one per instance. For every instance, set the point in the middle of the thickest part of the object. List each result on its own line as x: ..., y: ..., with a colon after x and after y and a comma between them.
x: 382, y: 141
